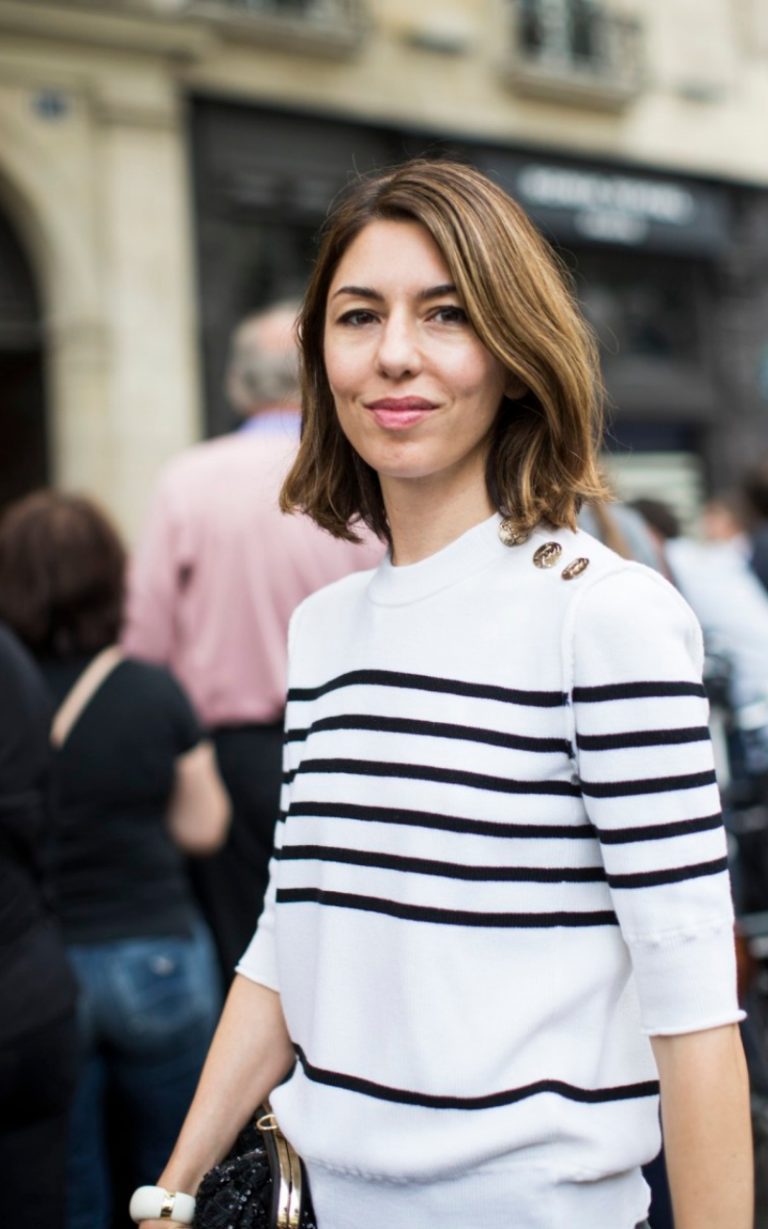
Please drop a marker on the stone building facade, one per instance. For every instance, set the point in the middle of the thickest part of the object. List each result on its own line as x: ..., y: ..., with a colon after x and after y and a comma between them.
x: 164, y: 165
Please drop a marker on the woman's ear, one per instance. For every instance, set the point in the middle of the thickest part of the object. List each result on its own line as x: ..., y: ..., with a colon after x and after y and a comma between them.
x: 514, y: 388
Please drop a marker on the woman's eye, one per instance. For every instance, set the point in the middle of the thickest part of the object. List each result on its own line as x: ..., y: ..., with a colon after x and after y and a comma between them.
x: 356, y: 317
x: 450, y: 315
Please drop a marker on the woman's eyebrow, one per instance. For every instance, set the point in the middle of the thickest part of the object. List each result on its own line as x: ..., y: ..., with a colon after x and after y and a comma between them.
x: 359, y: 292
x: 436, y: 292
x: 365, y: 292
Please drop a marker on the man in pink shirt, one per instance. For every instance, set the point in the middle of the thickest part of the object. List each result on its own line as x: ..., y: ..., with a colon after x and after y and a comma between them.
x: 214, y: 581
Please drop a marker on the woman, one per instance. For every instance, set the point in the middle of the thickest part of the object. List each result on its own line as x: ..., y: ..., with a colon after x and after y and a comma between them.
x: 136, y: 787
x: 37, y: 990
x: 501, y: 868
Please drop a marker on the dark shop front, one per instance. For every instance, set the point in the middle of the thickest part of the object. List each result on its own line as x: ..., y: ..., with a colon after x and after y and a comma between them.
x: 670, y: 270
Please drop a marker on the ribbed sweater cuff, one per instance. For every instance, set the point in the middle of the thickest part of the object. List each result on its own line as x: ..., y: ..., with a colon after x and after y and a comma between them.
x: 687, y: 981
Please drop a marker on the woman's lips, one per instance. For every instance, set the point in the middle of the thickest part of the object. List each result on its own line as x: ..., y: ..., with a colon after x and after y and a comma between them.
x: 399, y: 413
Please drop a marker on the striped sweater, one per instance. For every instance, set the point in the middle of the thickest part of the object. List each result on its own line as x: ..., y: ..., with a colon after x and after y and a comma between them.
x: 500, y: 866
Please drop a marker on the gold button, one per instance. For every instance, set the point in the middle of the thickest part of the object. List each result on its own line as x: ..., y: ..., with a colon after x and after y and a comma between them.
x: 575, y: 569
x: 547, y: 555
x: 511, y: 536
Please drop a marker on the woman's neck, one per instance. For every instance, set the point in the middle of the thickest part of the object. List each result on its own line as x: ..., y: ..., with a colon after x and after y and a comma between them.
x: 423, y: 519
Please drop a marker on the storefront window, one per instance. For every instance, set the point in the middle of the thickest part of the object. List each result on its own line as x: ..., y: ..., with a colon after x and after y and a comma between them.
x: 642, y: 307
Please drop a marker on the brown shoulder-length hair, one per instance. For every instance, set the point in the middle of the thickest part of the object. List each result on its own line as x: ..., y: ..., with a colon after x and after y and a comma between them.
x: 542, y: 462
x: 62, y: 574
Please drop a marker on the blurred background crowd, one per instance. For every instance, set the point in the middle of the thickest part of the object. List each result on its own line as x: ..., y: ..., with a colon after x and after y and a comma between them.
x: 164, y: 168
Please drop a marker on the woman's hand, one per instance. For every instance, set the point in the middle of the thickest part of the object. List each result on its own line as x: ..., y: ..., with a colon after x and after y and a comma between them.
x: 162, y: 1224
x: 250, y: 1053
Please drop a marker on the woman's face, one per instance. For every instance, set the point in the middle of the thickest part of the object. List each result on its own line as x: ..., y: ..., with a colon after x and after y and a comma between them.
x: 415, y: 389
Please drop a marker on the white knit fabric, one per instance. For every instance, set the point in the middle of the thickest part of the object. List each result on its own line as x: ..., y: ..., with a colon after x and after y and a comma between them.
x: 499, y: 866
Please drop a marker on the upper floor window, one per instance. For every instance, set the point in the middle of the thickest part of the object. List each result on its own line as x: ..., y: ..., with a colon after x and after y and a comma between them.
x: 568, y: 30
x: 586, y: 49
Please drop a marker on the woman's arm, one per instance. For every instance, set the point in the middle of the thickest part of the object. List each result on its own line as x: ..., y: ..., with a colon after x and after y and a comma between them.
x: 707, y: 1134
x: 647, y: 773
x: 250, y: 1053
x: 199, y: 808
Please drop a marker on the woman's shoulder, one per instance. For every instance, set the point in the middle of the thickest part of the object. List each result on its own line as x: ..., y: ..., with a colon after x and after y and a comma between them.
x: 594, y: 590
x: 623, y: 582
x: 625, y: 615
x: 146, y: 678
x: 569, y: 562
x: 155, y: 698
x: 583, y: 558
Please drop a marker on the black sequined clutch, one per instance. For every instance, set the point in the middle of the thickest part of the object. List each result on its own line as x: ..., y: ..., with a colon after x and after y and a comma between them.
x: 261, y: 1184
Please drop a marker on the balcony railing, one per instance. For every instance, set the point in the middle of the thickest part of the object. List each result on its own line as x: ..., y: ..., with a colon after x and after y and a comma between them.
x: 330, y: 26
x: 574, y: 50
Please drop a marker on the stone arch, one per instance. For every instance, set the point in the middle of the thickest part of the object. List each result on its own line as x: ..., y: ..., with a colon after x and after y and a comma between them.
x: 45, y: 195
x: 35, y: 191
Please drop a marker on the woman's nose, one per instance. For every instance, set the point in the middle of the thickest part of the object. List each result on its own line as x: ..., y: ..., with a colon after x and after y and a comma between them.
x: 398, y: 347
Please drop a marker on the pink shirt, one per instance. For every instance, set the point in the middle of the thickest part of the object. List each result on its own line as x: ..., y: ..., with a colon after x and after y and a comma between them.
x: 220, y: 570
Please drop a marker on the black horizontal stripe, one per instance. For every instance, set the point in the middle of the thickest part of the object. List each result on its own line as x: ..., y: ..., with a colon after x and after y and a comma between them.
x: 404, y: 1096
x: 427, y: 772
x: 442, y: 823
x: 649, y: 785
x: 635, y: 691
x: 675, y: 874
x: 428, y: 682
x: 445, y: 917
x: 659, y: 832
x: 449, y: 870
x: 641, y: 738
x: 429, y: 729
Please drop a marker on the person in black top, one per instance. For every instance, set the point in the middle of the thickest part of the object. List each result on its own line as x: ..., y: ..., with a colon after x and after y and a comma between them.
x: 37, y: 990
x: 136, y: 789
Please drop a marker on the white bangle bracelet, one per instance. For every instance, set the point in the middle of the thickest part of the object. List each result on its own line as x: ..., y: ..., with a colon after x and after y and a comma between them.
x: 156, y: 1203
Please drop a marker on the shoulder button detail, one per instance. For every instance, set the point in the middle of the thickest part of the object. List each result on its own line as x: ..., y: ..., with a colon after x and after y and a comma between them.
x: 511, y: 536
x: 575, y: 569
x: 547, y: 555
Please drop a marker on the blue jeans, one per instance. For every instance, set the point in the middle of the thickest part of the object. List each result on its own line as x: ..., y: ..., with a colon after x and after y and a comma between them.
x: 147, y: 1011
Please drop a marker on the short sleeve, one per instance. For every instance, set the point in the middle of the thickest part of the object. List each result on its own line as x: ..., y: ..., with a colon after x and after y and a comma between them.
x: 181, y: 720
x: 633, y: 659
x: 187, y: 724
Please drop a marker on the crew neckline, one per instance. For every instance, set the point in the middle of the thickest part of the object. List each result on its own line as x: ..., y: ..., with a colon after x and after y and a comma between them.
x: 472, y: 551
